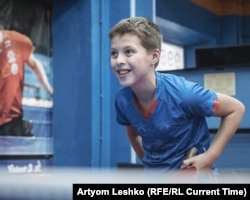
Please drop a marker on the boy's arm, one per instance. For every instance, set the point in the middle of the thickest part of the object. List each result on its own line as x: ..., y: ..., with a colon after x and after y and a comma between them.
x: 231, y: 112
x: 135, y: 141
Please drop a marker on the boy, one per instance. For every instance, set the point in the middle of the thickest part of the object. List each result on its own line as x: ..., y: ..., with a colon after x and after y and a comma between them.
x: 165, y: 115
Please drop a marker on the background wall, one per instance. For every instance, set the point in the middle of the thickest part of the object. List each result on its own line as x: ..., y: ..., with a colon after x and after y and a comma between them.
x: 86, y: 133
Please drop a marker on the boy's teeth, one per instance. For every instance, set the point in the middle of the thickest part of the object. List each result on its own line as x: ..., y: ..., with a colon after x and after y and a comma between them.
x: 122, y: 72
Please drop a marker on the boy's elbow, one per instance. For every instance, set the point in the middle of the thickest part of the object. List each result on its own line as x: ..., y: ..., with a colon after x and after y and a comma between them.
x: 241, y: 109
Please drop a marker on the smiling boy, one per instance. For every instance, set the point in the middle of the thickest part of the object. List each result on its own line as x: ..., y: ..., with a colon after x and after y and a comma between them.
x: 164, y: 114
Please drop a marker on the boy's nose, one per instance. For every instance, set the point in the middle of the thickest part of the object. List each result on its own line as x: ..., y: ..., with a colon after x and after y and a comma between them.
x: 120, y: 59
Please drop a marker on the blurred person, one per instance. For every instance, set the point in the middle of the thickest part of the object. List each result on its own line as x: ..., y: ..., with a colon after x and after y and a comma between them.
x: 16, y: 50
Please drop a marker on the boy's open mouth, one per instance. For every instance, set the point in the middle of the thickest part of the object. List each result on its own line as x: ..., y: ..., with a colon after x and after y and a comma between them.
x: 123, y: 71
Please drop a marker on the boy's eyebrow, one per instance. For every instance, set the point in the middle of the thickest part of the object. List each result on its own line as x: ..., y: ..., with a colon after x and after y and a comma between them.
x: 126, y: 47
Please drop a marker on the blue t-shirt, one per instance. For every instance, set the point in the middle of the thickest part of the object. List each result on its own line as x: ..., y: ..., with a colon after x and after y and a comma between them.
x: 175, y: 123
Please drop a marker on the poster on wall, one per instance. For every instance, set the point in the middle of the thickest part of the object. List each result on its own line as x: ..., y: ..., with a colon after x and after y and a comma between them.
x: 26, y: 90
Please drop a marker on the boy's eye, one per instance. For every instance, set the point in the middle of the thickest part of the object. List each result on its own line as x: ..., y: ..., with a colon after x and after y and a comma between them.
x: 128, y: 52
x: 113, y: 53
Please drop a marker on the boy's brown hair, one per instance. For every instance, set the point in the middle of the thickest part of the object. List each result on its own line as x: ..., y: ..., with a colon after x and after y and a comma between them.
x: 148, y: 32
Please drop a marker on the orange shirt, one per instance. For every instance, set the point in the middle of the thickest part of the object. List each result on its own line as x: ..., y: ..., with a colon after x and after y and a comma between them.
x: 15, y: 50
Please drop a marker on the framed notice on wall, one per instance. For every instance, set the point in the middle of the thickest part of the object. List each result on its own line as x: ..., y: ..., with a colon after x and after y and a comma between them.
x: 220, y: 82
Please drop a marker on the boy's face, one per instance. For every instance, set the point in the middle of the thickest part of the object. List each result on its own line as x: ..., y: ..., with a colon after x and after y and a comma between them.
x: 130, y: 61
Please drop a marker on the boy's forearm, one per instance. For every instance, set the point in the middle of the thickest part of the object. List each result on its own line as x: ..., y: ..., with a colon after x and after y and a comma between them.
x: 226, y: 131
x: 137, y: 146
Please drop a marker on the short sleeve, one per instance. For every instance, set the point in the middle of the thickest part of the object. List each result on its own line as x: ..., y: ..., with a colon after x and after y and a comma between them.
x: 199, y: 100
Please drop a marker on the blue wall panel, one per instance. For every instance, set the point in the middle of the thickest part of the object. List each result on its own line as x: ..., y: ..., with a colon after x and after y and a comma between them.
x: 229, y: 30
x: 236, y: 154
x: 144, y: 8
x: 245, y: 29
x: 189, y: 15
x: 119, y: 9
x: 72, y: 113
x: 120, y: 148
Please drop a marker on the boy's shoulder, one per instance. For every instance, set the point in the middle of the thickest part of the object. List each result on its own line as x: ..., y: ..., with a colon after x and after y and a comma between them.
x: 169, y: 77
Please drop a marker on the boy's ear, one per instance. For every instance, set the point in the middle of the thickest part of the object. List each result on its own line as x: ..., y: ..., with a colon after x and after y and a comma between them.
x: 156, y: 56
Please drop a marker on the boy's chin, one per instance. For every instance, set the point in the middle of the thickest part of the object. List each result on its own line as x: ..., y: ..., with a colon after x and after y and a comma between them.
x: 125, y: 84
